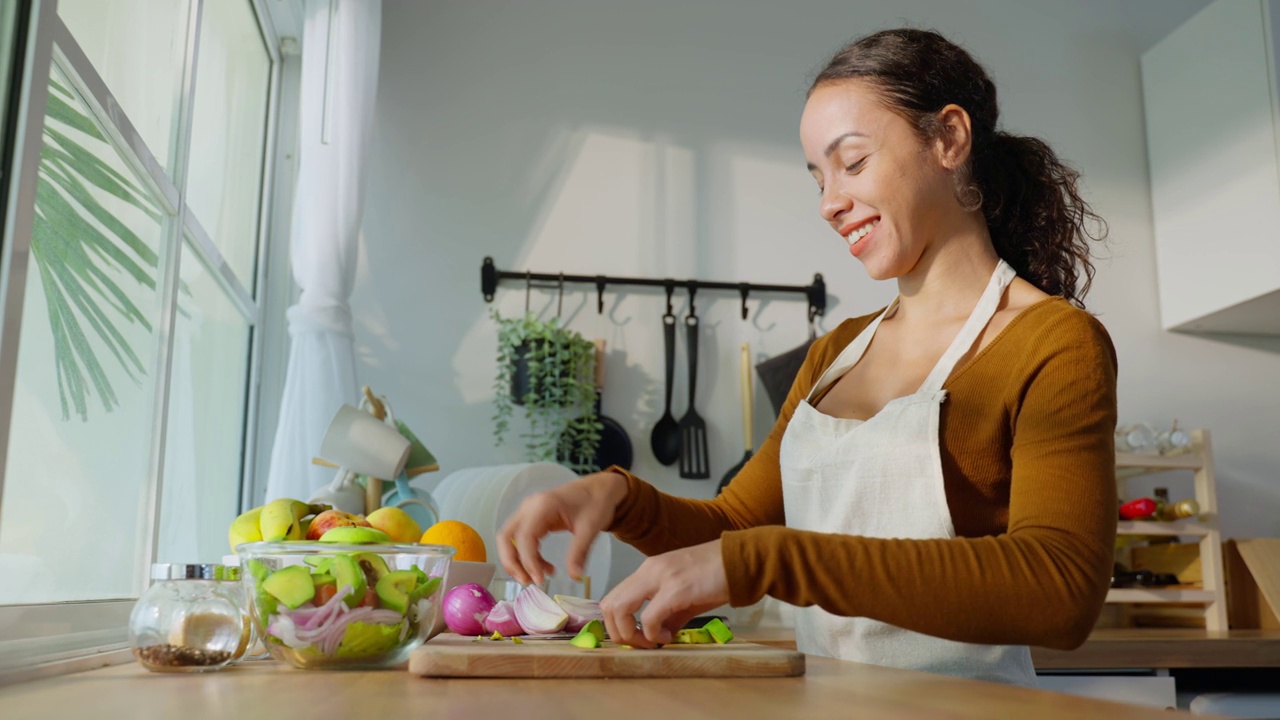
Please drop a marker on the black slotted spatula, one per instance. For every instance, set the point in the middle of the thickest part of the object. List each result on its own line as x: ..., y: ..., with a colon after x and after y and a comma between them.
x: 693, y: 429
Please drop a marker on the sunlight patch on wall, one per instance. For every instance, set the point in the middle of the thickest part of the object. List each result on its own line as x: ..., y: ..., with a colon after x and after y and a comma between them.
x: 613, y: 203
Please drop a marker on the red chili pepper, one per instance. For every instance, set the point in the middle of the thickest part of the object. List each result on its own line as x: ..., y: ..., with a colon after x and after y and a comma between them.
x: 1138, y: 509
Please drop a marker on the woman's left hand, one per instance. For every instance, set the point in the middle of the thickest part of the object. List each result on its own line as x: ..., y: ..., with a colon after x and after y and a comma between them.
x: 679, y: 585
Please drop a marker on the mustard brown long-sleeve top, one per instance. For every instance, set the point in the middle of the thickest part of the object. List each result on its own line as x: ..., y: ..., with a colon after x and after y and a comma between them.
x: 1028, y: 460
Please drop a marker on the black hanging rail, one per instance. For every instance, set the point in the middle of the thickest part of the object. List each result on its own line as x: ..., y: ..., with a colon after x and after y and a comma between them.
x: 490, y: 276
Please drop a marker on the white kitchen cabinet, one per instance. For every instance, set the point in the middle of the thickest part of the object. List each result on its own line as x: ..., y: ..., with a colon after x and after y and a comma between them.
x: 1212, y: 119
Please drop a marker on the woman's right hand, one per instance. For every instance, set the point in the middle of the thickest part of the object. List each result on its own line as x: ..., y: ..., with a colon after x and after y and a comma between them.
x: 584, y: 507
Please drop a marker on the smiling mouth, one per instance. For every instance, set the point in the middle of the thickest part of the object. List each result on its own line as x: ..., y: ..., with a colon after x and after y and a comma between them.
x: 856, y: 234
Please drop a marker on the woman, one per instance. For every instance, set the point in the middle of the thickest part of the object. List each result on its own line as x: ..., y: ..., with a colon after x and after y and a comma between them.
x: 938, y: 492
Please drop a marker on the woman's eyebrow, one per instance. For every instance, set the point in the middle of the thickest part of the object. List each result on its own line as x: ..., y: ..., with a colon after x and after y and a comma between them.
x: 835, y: 144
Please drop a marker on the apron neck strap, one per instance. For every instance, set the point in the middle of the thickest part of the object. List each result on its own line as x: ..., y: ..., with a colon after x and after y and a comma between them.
x: 978, y: 319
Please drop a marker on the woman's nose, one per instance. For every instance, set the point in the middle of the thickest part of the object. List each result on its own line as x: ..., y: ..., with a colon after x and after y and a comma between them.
x: 833, y: 204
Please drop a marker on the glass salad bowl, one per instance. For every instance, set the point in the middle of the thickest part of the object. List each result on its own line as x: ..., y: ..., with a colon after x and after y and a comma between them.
x: 329, y: 606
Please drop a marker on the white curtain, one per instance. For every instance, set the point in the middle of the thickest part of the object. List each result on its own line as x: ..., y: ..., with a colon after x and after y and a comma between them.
x: 339, y: 86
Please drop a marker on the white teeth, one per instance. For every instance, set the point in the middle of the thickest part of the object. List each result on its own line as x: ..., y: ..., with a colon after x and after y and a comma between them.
x: 861, y: 232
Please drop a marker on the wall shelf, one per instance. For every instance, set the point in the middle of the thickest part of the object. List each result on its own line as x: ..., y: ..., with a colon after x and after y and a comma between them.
x: 1159, y: 463
x: 1160, y: 595
x: 1210, y: 594
x: 1198, y: 528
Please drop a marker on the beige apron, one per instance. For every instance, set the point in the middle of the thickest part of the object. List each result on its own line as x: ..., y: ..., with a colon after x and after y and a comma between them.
x: 882, y: 478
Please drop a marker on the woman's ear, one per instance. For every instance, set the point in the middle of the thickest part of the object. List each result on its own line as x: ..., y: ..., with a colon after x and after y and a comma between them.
x: 955, y: 138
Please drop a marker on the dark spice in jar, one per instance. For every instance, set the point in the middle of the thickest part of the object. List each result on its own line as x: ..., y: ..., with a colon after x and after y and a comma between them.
x: 179, y: 656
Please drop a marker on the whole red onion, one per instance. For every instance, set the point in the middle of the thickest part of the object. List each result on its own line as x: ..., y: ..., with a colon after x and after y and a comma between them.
x: 465, y: 608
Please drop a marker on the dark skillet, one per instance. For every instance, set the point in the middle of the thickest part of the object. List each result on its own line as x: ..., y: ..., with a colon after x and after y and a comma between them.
x: 615, y: 445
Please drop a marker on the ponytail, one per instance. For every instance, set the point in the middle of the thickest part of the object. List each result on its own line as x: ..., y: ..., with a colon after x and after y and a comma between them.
x: 1038, y: 222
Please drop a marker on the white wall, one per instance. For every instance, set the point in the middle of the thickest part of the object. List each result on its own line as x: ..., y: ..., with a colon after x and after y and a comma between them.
x: 660, y: 139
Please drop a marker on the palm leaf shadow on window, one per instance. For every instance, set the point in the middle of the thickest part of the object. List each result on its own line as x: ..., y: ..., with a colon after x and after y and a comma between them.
x: 83, y: 252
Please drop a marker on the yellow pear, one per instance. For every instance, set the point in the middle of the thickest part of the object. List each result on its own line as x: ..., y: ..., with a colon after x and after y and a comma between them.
x: 396, y: 523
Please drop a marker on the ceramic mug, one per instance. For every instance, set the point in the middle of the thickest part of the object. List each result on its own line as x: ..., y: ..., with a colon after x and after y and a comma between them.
x: 364, y: 444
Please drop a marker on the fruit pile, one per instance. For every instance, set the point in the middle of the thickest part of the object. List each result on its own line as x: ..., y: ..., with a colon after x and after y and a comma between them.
x: 289, y: 519
x: 344, y: 605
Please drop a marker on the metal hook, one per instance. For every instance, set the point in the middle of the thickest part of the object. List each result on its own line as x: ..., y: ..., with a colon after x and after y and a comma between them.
x: 743, y: 289
x: 528, y: 286
x: 693, y: 290
x: 600, y: 294
x: 560, y: 300
x: 817, y: 293
x: 671, y: 288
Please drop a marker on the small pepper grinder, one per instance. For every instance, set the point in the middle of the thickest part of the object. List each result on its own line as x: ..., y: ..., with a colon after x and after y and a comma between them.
x: 189, y: 620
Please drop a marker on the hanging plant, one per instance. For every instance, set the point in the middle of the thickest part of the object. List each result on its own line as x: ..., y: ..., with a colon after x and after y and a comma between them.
x: 548, y: 369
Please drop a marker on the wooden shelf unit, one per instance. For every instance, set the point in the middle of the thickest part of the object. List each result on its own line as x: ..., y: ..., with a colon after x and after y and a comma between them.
x: 1209, y: 597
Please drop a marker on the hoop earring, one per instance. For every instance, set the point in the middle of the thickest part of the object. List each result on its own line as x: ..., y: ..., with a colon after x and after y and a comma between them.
x: 967, y: 193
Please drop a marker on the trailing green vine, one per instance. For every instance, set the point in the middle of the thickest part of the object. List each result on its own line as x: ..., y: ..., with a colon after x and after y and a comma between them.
x: 560, y: 397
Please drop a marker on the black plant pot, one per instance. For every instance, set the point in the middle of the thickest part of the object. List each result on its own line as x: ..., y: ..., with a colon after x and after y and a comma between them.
x: 522, y: 382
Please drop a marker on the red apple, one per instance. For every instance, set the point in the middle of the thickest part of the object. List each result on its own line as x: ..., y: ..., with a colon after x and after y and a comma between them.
x: 330, y: 519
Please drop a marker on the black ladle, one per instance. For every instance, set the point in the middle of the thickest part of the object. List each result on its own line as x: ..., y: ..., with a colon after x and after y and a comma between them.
x: 665, y: 439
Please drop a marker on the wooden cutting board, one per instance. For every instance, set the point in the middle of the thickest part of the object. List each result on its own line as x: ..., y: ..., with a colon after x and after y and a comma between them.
x: 456, y: 656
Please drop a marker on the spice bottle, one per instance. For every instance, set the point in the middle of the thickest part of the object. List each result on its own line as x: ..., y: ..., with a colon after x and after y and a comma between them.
x: 189, y: 620
x: 1179, y: 510
x: 1162, y: 501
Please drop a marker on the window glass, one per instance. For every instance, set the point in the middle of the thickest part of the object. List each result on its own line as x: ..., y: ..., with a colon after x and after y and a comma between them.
x: 74, y: 521
x: 229, y: 132
x: 137, y: 47
x: 205, y: 436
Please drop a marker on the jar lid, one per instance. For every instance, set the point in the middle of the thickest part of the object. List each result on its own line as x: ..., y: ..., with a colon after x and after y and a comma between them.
x: 192, y: 571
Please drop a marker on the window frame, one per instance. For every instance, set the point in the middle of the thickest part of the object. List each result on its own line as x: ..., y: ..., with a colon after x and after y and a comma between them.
x: 97, y: 630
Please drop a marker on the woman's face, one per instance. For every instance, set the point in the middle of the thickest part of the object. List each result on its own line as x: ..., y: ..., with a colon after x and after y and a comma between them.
x: 882, y: 189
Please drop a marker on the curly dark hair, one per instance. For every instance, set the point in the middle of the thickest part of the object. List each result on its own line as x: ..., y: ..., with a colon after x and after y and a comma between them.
x: 1031, y: 201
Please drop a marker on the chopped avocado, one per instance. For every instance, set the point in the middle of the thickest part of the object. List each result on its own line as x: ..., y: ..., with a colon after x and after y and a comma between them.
x: 719, y: 631
x: 319, y: 579
x: 258, y: 570
x: 291, y: 586
x: 347, y: 573
x: 267, y: 604
x: 585, y: 639
x: 595, y: 627
x: 395, y: 590
x: 424, y: 589
x: 322, y: 563
x: 696, y: 636
x: 517, y: 641
x: 496, y: 636
x: 373, y: 565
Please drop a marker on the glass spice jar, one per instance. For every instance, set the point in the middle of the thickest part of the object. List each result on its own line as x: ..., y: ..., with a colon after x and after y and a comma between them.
x: 189, y: 620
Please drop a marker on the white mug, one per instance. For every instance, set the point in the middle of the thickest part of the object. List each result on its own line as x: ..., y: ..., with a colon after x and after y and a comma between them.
x: 362, y: 443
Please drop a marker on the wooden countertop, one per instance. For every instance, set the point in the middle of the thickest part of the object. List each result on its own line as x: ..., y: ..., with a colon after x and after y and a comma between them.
x: 267, y: 689
x: 1166, y: 648
x: 1145, y: 648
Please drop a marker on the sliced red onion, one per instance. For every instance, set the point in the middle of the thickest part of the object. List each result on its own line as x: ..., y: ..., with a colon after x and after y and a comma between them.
x: 580, y: 611
x: 502, y: 620
x: 537, y: 613
x: 465, y: 607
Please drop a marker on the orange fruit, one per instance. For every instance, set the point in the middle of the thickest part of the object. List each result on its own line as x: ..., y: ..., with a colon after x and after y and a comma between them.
x: 458, y: 535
